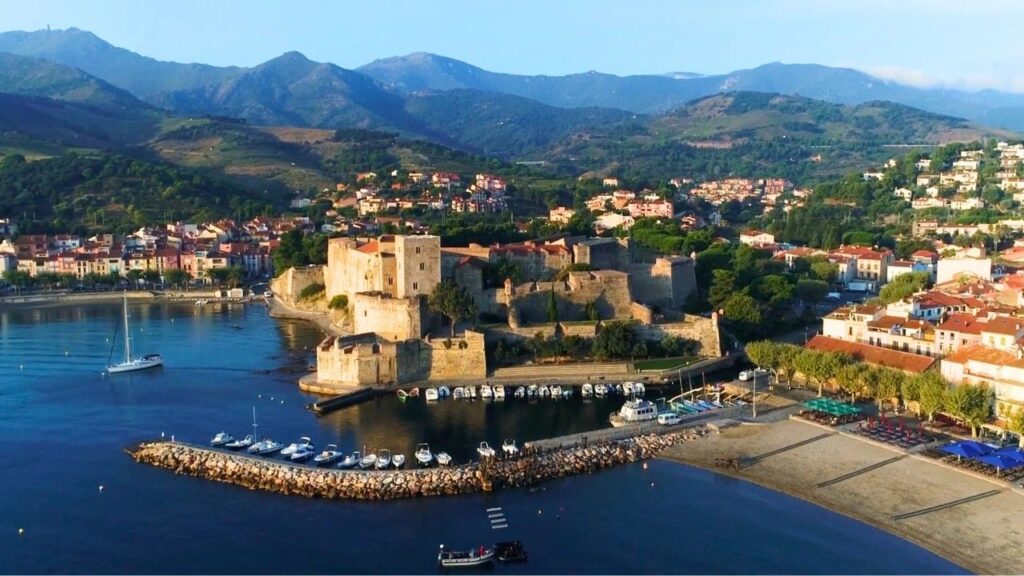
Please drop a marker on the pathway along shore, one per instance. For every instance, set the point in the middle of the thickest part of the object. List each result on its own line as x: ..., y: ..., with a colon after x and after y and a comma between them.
x: 972, y: 522
x: 282, y: 477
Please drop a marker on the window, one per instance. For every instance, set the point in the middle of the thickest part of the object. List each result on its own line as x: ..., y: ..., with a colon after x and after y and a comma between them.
x: 422, y: 266
x: 417, y: 249
x: 415, y: 285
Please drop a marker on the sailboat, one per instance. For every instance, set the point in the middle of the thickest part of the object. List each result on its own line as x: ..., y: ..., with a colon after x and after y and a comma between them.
x: 132, y: 364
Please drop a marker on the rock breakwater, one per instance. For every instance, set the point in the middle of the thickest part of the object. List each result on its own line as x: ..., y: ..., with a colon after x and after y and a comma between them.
x: 284, y: 478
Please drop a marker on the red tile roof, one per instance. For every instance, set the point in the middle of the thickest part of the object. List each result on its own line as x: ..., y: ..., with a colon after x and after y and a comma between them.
x: 370, y: 247
x: 904, y: 361
x: 985, y: 355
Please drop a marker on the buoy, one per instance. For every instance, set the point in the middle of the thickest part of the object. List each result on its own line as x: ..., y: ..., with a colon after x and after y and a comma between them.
x: 161, y: 434
x: 21, y: 531
x: 282, y: 401
x: 652, y: 484
x: 101, y: 487
x: 259, y: 395
x: 645, y: 465
x: 539, y: 512
x: 21, y: 366
x: 65, y: 352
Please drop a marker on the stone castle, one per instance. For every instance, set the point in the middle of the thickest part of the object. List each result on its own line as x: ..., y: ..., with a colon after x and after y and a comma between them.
x: 387, y: 280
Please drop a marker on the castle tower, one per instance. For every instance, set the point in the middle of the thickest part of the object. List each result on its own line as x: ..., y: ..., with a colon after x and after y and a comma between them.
x: 417, y: 265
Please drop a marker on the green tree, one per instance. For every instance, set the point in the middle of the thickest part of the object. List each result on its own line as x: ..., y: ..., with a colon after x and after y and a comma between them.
x: 234, y: 276
x: 134, y: 276
x: 903, y: 286
x: 811, y: 290
x: 971, y: 404
x: 616, y: 340
x: 723, y: 285
x: 850, y: 379
x: 151, y: 276
x: 764, y: 353
x: 452, y: 301
x: 888, y: 384
x: 787, y: 355
x: 552, y: 306
x: 743, y: 314
x: 931, y: 393
x: 1015, y: 423
x: 176, y: 277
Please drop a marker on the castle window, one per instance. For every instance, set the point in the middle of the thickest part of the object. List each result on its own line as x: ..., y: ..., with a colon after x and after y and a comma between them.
x: 415, y: 285
x: 417, y: 249
x: 422, y: 266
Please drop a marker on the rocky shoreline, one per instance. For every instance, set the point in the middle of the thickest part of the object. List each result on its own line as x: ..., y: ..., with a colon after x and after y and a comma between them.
x: 284, y: 478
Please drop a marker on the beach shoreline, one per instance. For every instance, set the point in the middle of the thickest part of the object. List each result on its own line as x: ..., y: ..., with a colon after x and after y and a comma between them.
x: 874, y: 497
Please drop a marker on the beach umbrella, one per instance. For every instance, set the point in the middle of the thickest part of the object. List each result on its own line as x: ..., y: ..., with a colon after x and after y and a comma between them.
x: 966, y: 449
x: 1012, y: 453
x: 999, y: 462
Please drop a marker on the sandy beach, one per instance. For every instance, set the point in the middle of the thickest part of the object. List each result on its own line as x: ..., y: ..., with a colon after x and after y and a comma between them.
x: 982, y: 535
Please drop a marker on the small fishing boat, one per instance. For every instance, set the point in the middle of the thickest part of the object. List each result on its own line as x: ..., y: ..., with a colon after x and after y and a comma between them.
x: 520, y: 392
x: 587, y: 390
x: 239, y: 444
x: 669, y: 418
x: 350, y: 461
x: 458, y: 559
x: 627, y: 388
x: 423, y: 454
x: 443, y: 392
x: 265, y: 447
x: 304, y: 443
x: 459, y: 393
x: 499, y: 392
x: 414, y: 393
x: 383, y: 459
x: 600, y: 389
x: 368, y: 461
x: 567, y: 392
x: 544, y: 391
x: 486, y: 392
x: 509, y: 447
x: 329, y: 456
x: 221, y: 439
x: 471, y: 391
x: 302, y: 454
x: 532, y: 391
x: 443, y: 459
x: 639, y: 389
x: 398, y: 460
x: 431, y: 395
x: 556, y: 391
x: 618, y: 388
x: 402, y: 395
x: 512, y: 551
x: 485, y: 451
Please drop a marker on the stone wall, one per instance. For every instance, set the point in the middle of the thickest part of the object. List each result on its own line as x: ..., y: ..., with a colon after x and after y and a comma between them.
x: 349, y: 271
x: 666, y: 283
x: 608, y: 290
x: 290, y: 283
x: 390, y: 318
x: 698, y: 328
x: 604, y: 253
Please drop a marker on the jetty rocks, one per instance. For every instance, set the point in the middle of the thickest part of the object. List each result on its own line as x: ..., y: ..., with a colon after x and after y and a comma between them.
x: 282, y: 477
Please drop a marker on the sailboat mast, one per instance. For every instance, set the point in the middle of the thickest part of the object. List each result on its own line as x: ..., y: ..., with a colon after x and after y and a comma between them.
x: 253, y: 423
x: 127, y: 333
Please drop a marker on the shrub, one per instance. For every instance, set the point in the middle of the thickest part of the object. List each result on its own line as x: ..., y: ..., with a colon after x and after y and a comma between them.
x: 311, y: 291
x: 339, y: 302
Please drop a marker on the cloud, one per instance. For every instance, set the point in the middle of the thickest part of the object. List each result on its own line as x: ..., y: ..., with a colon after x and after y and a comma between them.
x: 920, y: 79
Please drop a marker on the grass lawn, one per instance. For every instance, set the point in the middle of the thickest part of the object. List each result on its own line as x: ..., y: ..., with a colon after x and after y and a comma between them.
x: 665, y: 363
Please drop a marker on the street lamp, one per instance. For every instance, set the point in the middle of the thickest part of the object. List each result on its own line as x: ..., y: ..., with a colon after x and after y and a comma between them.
x: 753, y: 397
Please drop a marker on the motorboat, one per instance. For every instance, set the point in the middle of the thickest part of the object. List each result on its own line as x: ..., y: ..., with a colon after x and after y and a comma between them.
x: 512, y: 551
x: 544, y: 391
x: 383, y: 459
x: 633, y: 411
x: 639, y: 389
x: 499, y: 392
x: 556, y: 391
x: 459, y: 393
x: 459, y: 559
x: 485, y: 451
x: 669, y: 418
x: 443, y: 392
x: 532, y: 391
x: 486, y: 392
x: 239, y: 444
x: 221, y: 439
x: 130, y: 364
x: 423, y: 454
x: 587, y: 390
x: 567, y: 392
x: 618, y: 388
x: 509, y: 447
x: 414, y: 393
x: 302, y: 454
x: 304, y: 443
x: 627, y: 388
x: 471, y: 391
x: 402, y: 395
x: 368, y: 461
x: 350, y: 461
x: 600, y: 389
x: 431, y: 395
x: 265, y: 447
x: 398, y: 460
x: 443, y: 459
x: 520, y: 392
x: 329, y: 456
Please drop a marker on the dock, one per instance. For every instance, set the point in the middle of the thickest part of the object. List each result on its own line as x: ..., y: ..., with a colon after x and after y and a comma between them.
x: 346, y: 399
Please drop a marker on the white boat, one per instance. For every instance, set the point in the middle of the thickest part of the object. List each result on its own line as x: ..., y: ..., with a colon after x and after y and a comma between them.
x: 264, y: 447
x: 414, y: 393
x: 520, y: 392
x: 485, y: 451
x: 443, y: 392
x: 398, y: 460
x: 669, y: 418
x: 471, y: 391
x: 369, y: 460
x: 457, y: 559
x: 486, y: 392
x: 638, y: 388
x: 423, y: 454
x: 443, y: 459
x: 637, y: 410
x: 587, y: 390
x: 459, y: 393
x: 302, y: 454
x: 567, y: 392
x: 304, y: 443
x: 499, y: 392
x: 509, y: 447
x: 618, y: 388
x: 329, y: 456
x: 600, y: 389
x: 431, y: 395
x: 532, y: 391
x: 627, y: 388
x: 132, y: 364
x: 383, y: 459
x: 402, y: 395
x: 544, y: 392
x: 556, y: 391
x: 239, y: 444
x: 350, y: 461
x: 221, y: 439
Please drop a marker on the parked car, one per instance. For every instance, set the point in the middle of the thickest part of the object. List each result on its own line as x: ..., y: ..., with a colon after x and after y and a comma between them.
x: 751, y: 374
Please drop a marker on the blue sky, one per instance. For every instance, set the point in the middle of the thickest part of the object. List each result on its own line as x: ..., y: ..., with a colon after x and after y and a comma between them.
x: 963, y: 43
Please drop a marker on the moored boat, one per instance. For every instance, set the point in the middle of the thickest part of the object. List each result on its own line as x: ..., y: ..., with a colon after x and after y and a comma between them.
x: 471, y: 391
x: 532, y: 391
x: 414, y: 393
x: 431, y: 395
x: 368, y: 461
x: 221, y: 439
x: 512, y: 551
x: 329, y: 456
x: 459, y: 393
x: 350, y: 461
x: 239, y: 444
x: 443, y: 459
x: 544, y: 391
x: 639, y: 389
x: 637, y: 410
x: 383, y: 459
x: 423, y: 454
x: 485, y: 451
x: 130, y: 364
x: 556, y: 391
x: 627, y: 388
x: 302, y: 454
x: 265, y: 447
x: 402, y: 395
x: 567, y: 392
x: 443, y: 392
x: 509, y: 447
x: 520, y: 392
x: 304, y: 443
x: 486, y: 392
x: 587, y: 390
x: 600, y: 389
x: 499, y: 392
x: 459, y: 559
x: 398, y: 460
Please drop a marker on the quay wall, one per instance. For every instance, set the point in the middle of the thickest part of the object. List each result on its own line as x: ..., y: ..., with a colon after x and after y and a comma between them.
x: 284, y: 478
